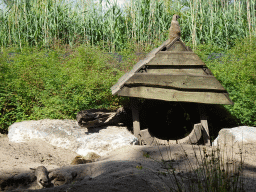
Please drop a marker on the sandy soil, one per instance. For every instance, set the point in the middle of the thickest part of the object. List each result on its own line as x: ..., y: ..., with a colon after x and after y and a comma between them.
x: 125, y: 169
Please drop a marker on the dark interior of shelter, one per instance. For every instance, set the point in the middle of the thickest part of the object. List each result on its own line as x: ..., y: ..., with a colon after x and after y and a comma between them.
x: 175, y: 120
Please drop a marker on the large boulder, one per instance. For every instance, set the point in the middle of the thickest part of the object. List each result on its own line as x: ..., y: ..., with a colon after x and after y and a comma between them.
x: 235, y: 136
x: 67, y: 134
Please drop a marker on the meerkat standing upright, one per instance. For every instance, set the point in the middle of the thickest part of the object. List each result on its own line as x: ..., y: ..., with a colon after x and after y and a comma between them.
x: 174, y: 30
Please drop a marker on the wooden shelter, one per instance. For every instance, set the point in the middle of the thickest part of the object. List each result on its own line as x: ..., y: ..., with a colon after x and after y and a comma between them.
x: 172, y: 72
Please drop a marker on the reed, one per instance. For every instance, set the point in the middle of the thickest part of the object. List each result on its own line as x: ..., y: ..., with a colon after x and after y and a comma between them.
x: 41, y: 23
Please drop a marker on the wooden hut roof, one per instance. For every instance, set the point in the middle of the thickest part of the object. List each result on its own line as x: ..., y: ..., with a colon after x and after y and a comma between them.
x: 172, y: 72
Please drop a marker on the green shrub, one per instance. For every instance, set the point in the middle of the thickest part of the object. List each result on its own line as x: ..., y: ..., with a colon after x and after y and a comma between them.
x: 55, y: 84
x: 236, y: 71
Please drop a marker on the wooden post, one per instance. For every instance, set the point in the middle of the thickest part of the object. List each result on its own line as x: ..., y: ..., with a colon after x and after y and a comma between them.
x: 135, y: 116
x: 203, y: 118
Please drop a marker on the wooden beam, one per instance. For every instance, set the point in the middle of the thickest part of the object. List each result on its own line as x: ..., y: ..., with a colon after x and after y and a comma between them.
x: 205, y: 130
x: 174, y: 95
x: 176, y: 58
x: 183, y: 81
x: 198, y: 71
x: 135, y: 116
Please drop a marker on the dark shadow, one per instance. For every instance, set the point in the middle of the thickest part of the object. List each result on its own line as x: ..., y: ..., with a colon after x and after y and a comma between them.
x: 218, y: 118
x: 175, y: 120
x: 168, y: 120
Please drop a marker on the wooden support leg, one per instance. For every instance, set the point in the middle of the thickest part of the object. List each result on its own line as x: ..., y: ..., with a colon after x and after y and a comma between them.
x: 203, y: 118
x: 135, y: 116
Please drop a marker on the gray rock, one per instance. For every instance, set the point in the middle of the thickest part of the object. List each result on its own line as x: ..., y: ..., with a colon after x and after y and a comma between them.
x: 235, y: 136
x: 67, y: 134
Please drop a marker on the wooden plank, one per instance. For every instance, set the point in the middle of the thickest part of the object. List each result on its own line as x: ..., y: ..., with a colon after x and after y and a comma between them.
x: 205, y: 130
x: 174, y: 95
x: 194, y: 136
x: 135, y: 68
x: 152, y: 70
x: 176, y: 58
x: 198, y: 71
x: 183, y: 81
x: 135, y: 116
x: 177, y: 46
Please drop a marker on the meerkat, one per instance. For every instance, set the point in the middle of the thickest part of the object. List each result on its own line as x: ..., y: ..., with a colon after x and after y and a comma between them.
x: 42, y: 177
x: 174, y: 30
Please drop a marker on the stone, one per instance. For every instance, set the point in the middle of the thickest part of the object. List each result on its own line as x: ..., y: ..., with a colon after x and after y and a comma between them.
x: 80, y: 160
x: 68, y: 135
x: 89, y: 158
x: 235, y: 136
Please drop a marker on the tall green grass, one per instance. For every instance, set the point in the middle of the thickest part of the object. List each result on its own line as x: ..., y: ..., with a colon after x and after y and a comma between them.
x: 43, y: 22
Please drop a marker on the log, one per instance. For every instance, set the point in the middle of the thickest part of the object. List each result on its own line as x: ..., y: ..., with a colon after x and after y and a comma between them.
x: 101, y: 117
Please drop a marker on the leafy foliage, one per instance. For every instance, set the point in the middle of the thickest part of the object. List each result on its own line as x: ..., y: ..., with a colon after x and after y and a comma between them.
x: 236, y: 71
x: 55, y: 84
x: 40, y: 78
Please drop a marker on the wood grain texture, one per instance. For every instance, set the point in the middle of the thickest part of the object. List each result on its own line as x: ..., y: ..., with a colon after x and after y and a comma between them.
x: 176, y: 58
x: 182, y: 81
x: 135, y: 116
x: 177, y: 46
x: 177, y: 71
x: 205, y: 129
x: 174, y: 95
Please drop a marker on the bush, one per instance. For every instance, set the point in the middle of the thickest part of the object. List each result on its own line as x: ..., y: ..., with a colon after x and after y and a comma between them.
x: 54, y: 84
x: 236, y: 71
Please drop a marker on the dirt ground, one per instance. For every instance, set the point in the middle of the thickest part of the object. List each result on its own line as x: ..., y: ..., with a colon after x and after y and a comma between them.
x: 125, y: 169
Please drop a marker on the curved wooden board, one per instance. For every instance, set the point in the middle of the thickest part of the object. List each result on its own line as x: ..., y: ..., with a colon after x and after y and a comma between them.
x: 192, y: 138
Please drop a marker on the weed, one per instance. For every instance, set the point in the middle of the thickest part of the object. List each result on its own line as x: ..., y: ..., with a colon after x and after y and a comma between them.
x: 211, y: 172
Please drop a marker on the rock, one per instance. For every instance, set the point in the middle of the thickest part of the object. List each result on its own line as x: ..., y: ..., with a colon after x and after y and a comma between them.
x: 68, y: 135
x: 235, y: 136
x: 92, y: 156
x: 89, y: 158
x: 80, y: 160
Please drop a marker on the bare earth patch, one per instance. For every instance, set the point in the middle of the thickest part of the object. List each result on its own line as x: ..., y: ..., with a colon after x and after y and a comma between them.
x: 124, y: 169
